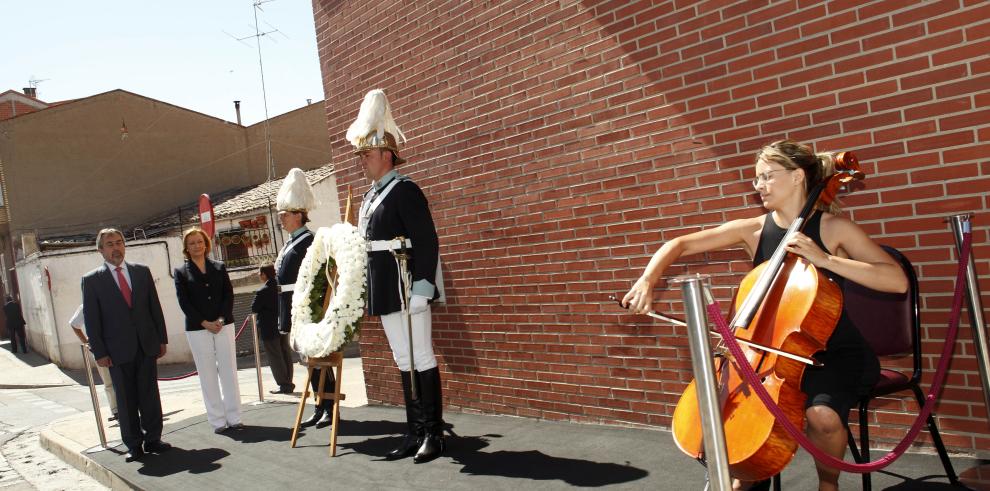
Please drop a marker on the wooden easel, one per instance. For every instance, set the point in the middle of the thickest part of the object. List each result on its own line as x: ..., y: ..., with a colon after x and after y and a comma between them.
x: 334, y: 361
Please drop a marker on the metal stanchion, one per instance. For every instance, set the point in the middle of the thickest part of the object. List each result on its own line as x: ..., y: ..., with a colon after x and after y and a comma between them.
x: 716, y: 455
x: 92, y: 395
x: 257, y: 357
x: 960, y: 225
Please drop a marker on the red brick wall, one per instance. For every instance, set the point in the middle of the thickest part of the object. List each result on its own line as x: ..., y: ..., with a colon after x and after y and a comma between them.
x: 9, y: 109
x: 560, y: 143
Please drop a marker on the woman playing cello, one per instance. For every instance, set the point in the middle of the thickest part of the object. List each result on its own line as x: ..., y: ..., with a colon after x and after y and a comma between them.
x: 785, y: 173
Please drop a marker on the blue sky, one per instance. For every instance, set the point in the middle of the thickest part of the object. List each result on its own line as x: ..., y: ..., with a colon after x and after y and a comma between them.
x: 175, y: 51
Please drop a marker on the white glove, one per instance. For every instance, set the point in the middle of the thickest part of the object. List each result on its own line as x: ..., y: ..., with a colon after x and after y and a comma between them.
x: 418, y: 304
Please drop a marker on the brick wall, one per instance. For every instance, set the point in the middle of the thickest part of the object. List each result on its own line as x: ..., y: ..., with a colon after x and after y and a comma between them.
x: 560, y: 143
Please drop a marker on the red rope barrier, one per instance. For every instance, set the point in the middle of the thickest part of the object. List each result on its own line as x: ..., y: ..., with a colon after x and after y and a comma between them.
x: 754, y: 381
x: 192, y: 373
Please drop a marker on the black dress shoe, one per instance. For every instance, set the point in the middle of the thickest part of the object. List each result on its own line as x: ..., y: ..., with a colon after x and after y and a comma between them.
x: 408, y: 447
x: 134, y: 455
x: 432, y: 447
x: 317, y: 416
x: 326, y: 420
x: 156, y: 447
x: 278, y: 391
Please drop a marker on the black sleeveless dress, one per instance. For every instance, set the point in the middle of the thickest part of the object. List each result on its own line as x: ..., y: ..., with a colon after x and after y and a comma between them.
x: 850, y: 368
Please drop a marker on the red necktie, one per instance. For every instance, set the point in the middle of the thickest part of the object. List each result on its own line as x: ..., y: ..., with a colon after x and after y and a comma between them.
x: 125, y: 289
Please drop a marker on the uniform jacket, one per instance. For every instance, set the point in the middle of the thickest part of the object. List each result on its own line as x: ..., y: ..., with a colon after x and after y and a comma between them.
x: 204, y: 296
x: 288, y: 270
x: 265, y: 304
x: 403, y: 212
x: 115, y: 329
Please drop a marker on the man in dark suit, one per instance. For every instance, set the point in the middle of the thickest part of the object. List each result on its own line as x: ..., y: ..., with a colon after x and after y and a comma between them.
x: 265, y: 305
x: 126, y: 330
x: 294, y: 201
x: 15, y: 323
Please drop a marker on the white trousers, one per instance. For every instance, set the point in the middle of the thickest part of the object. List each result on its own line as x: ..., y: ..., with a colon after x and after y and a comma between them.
x: 107, y: 384
x: 216, y: 360
x: 398, y: 339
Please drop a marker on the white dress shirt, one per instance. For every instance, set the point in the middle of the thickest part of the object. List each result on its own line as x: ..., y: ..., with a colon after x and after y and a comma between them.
x: 124, y: 269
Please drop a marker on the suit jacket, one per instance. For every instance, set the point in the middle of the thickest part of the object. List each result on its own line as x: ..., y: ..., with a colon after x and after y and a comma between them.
x: 12, y: 310
x: 288, y: 270
x: 204, y: 295
x: 403, y: 212
x: 115, y: 329
x: 265, y: 304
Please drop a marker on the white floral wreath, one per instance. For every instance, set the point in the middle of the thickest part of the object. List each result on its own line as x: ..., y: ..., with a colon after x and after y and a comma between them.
x: 319, y: 337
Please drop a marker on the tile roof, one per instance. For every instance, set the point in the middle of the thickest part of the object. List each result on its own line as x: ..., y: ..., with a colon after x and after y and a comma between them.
x: 226, y: 204
x: 262, y: 196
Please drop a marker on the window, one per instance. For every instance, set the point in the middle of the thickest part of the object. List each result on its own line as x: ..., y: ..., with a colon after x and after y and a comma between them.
x: 248, y: 246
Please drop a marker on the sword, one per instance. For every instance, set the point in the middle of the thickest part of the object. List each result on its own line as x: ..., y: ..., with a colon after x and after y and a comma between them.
x: 405, y: 284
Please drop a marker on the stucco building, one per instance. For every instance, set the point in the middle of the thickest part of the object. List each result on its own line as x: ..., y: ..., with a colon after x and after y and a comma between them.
x: 120, y: 159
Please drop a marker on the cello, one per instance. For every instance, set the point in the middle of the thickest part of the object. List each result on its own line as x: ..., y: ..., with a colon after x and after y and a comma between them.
x: 786, y: 304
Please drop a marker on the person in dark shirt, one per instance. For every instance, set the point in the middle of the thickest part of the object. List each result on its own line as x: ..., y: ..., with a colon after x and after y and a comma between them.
x: 15, y: 324
x: 265, y: 305
x: 786, y: 172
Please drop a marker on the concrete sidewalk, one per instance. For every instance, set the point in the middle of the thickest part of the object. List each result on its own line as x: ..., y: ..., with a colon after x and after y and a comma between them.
x: 28, y: 370
x: 488, y: 452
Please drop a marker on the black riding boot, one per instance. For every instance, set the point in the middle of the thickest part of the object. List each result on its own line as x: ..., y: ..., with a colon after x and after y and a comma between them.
x: 323, y: 415
x: 431, y: 395
x: 414, y: 419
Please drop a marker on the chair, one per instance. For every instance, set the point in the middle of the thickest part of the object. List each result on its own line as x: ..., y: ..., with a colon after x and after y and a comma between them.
x: 891, y: 325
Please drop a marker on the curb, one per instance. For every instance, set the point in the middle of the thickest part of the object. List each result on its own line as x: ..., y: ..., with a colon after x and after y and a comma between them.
x: 34, y: 386
x: 64, y: 449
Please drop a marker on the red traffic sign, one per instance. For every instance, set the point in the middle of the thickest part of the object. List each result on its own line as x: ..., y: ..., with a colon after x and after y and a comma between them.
x: 206, y: 221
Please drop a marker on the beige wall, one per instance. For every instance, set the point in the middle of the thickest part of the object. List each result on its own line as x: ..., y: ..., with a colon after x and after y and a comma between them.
x: 299, y: 139
x: 69, y: 171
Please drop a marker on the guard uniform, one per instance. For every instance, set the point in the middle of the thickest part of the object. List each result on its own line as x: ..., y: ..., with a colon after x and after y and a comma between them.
x: 295, y: 195
x: 395, y: 215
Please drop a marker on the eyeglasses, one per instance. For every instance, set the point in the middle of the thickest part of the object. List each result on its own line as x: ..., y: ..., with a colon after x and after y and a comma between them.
x: 765, y: 177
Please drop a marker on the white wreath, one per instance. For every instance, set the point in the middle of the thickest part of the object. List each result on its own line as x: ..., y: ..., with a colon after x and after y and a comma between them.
x: 347, y: 248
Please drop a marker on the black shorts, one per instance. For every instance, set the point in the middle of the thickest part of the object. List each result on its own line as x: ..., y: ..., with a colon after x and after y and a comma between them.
x: 848, y: 375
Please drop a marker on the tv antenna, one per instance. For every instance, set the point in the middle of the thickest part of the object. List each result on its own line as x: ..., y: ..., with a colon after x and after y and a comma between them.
x: 33, y: 82
x: 258, y: 34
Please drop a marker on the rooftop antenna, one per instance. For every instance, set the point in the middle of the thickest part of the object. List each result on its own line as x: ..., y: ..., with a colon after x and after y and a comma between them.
x: 32, y: 88
x: 33, y: 82
x: 270, y: 164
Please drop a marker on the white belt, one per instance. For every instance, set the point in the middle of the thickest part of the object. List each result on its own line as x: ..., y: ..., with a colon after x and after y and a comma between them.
x: 286, y: 288
x: 388, y: 245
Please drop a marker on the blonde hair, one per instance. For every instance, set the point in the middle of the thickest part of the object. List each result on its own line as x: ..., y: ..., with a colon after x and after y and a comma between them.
x: 792, y: 155
x: 105, y: 232
x: 195, y: 230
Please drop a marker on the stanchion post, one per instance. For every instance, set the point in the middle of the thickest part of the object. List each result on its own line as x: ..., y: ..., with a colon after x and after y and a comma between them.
x: 92, y: 395
x: 716, y: 455
x: 257, y: 356
x: 961, y: 225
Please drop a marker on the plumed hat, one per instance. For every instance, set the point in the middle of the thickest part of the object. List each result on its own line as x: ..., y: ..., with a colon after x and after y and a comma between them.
x: 295, y: 193
x: 375, y: 127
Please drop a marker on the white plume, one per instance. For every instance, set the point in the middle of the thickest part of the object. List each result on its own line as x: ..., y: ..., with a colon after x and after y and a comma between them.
x: 295, y: 193
x: 375, y: 115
